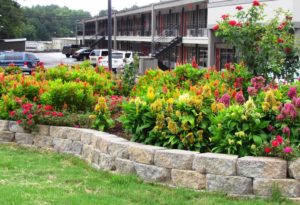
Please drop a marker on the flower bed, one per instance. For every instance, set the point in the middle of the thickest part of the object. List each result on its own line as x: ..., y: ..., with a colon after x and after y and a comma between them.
x: 199, y: 110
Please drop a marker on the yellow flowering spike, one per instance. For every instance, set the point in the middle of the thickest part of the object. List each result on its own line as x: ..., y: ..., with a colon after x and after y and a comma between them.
x: 150, y: 94
x: 157, y: 105
x: 172, y: 126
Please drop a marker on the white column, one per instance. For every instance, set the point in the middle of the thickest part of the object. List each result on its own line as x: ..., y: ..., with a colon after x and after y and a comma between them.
x: 115, y: 31
x: 153, y: 26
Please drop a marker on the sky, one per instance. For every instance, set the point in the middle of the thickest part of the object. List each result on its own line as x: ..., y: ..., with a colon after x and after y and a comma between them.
x: 92, y: 6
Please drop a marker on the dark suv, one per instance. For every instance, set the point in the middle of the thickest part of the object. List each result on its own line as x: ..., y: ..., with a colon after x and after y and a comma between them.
x: 70, y: 50
x: 82, y: 54
x: 26, y: 61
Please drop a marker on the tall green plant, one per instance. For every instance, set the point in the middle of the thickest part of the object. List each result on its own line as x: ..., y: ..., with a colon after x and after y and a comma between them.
x: 264, y: 45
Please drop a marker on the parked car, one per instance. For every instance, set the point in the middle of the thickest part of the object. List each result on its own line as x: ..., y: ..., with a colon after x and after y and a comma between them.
x: 119, y: 59
x: 26, y: 61
x: 70, y: 50
x: 97, y: 55
x: 82, y: 54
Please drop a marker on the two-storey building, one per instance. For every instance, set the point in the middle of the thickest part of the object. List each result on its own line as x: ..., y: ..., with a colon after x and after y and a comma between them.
x: 177, y: 30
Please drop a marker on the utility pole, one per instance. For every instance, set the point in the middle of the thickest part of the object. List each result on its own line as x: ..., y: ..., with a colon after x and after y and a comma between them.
x: 109, y: 35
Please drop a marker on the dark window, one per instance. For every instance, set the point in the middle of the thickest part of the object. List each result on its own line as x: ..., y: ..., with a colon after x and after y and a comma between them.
x: 226, y: 56
x: 104, y: 53
x: 13, y: 56
x: 127, y: 55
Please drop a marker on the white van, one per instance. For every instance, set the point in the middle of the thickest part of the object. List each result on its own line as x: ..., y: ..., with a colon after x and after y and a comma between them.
x: 96, y: 55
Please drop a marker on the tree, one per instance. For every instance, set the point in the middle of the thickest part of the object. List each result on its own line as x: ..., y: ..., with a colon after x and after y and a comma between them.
x: 263, y: 45
x: 11, y: 19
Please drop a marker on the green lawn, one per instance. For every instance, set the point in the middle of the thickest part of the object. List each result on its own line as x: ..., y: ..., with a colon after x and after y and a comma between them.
x: 32, y: 177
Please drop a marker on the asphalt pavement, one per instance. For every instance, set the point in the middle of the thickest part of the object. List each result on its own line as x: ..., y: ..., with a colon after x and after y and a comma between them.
x: 54, y: 59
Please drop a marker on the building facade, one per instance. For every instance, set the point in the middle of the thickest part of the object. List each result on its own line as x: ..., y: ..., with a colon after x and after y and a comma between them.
x: 175, y: 31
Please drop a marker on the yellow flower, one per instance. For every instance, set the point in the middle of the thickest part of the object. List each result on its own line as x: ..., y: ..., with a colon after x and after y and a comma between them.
x: 178, y: 113
x: 172, y: 126
x: 215, y: 107
x: 253, y: 146
x: 185, y: 126
x: 160, y: 122
x: 150, y: 94
x: 190, y: 138
x: 240, y: 134
x: 206, y: 91
x: 199, y: 118
x: 196, y: 101
x: 249, y: 107
x: 92, y: 117
x: 101, y: 106
x: 157, y: 105
x: 239, y: 142
x: 185, y: 98
x: 170, y: 101
x: 230, y: 141
x: 200, y: 135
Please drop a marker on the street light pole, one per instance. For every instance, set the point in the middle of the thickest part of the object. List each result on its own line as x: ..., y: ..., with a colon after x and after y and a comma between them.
x: 109, y: 35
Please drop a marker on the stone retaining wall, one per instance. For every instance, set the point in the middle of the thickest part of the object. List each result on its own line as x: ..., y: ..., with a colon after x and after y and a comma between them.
x: 207, y: 171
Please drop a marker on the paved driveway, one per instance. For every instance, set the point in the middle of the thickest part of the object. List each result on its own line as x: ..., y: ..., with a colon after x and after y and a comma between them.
x: 53, y: 59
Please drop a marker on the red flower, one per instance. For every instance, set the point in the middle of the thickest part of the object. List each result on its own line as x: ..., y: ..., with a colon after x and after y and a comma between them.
x: 59, y: 114
x: 281, y: 26
x: 225, y: 16
x: 275, y: 143
x: 29, y: 122
x: 267, y: 150
x: 239, y: 8
x: 24, y: 112
x: 279, y: 139
x: 47, y: 113
x: 232, y: 22
x: 48, y: 107
x: 239, y: 24
x: 256, y: 3
x: 287, y: 50
x: 40, y: 106
x: 30, y: 116
x: 12, y: 113
x: 54, y: 114
x: 19, y: 122
x: 280, y: 40
x: 216, y: 27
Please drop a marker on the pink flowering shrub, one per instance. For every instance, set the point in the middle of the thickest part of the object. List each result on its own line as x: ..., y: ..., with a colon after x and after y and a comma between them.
x: 279, y: 147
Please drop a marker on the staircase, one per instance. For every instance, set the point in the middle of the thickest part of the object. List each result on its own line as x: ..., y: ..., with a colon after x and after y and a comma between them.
x: 96, y: 42
x: 165, y: 48
x: 161, y: 48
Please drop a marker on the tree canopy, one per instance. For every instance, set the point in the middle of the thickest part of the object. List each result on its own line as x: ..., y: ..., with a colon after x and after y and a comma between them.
x: 38, y: 22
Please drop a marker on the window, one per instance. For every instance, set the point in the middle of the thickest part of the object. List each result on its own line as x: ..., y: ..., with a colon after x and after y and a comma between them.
x: 202, y: 57
x: 104, y: 53
x: 226, y: 56
x: 127, y: 55
x: 117, y: 55
x: 13, y: 56
x: 2, y: 56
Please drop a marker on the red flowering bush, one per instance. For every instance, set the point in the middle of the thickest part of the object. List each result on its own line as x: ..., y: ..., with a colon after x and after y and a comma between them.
x: 30, y: 115
x: 267, y: 47
x: 279, y: 147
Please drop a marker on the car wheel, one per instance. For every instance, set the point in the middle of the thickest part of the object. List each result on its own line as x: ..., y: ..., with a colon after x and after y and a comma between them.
x: 68, y: 55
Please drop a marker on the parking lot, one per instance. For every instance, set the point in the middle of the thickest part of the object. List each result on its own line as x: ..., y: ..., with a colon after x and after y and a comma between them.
x: 53, y: 59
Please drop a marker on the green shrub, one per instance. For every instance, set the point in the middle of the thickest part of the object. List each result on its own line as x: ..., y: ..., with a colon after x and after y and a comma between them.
x: 72, y: 96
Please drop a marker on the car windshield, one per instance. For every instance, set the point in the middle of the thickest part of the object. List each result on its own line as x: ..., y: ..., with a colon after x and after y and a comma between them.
x: 117, y: 55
